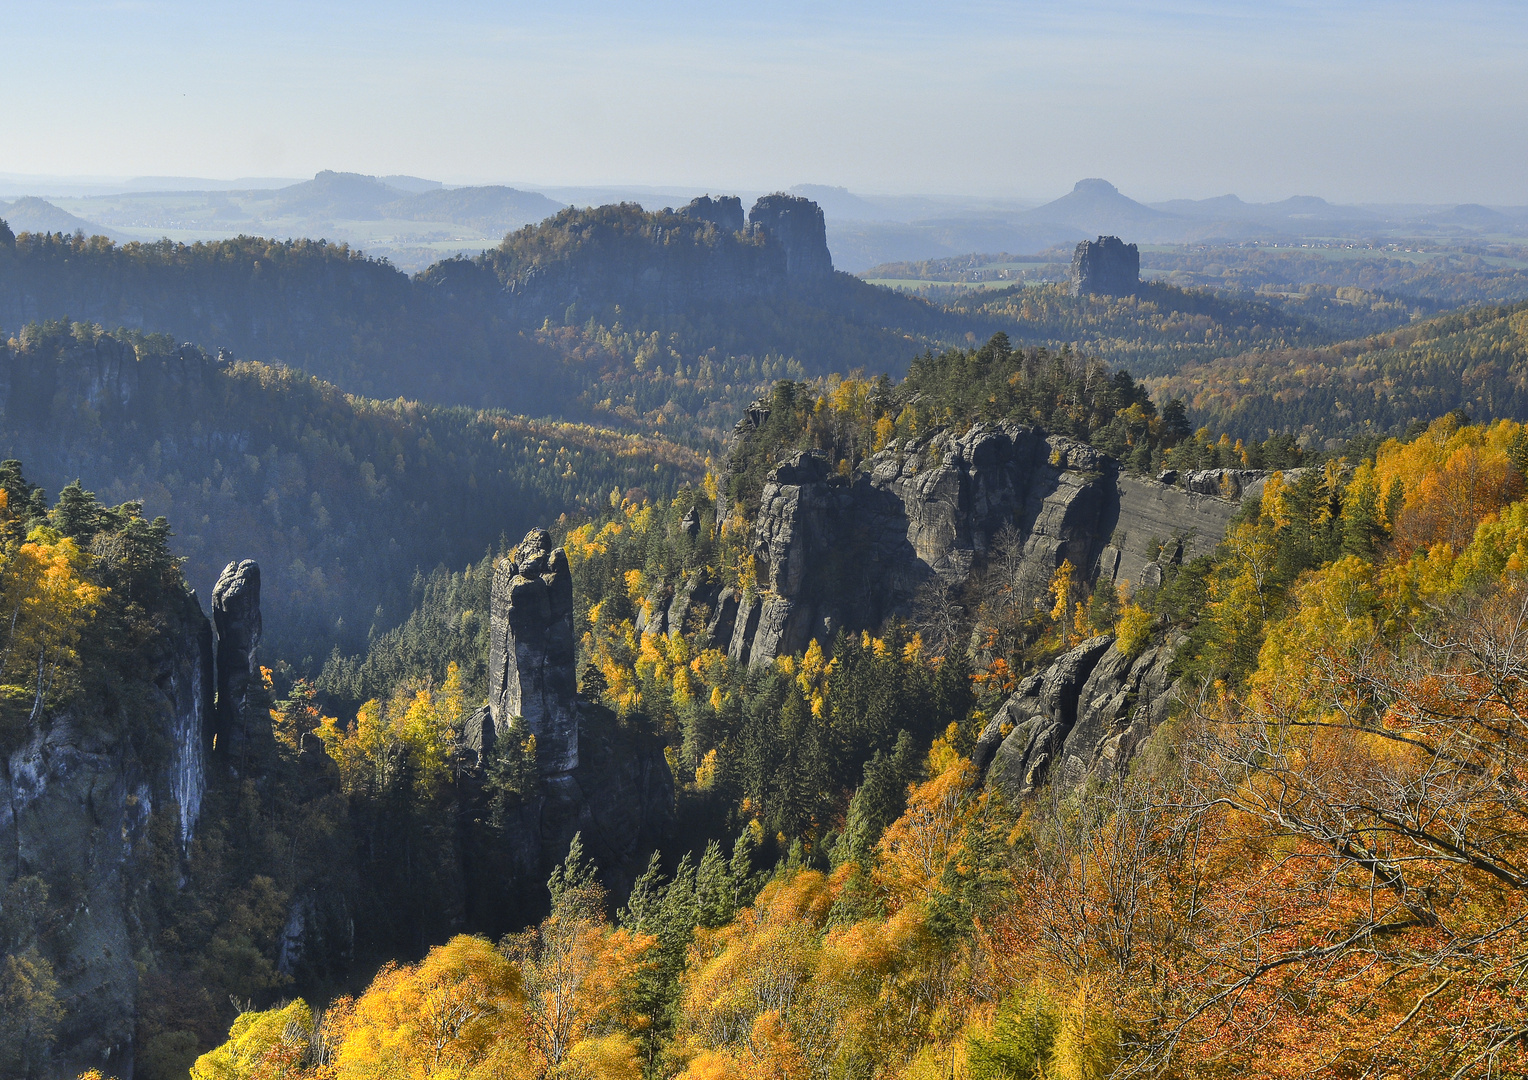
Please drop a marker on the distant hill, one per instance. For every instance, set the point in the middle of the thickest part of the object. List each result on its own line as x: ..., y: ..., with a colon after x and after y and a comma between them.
x: 1475, y: 360
x: 31, y: 214
x: 858, y: 246
x: 1164, y: 328
x: 615, y: 314
x: 488, y: 209
x: 1096, y: 206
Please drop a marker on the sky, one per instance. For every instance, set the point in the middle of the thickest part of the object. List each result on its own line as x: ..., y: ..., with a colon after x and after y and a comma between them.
x: 1354, y: 101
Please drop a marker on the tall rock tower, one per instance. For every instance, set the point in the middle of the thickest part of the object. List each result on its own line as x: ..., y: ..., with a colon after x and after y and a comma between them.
x: 236, y: 616
x: 796, y: 224
x: 1107, y: 266
x: 531, y: 656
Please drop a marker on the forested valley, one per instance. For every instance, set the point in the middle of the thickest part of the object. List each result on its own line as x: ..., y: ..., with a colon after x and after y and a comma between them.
x: 1021, y: 686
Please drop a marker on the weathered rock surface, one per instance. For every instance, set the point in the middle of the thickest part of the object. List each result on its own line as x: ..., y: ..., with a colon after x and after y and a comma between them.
x: 724, y: 211
x: 236, y: 615
x: 1107, y: 266
x: 1082, y: 719
x: 598, y: 775
x: 838, y: 552
x: 76, y: 801
x: 532, y: 658
x: 797, y: 226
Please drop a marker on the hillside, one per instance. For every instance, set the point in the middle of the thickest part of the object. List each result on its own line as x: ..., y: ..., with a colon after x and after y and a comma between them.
x: 614, y: 315
x: 1164, y: 327
x: 340, y: 498
x: 1475, y: 360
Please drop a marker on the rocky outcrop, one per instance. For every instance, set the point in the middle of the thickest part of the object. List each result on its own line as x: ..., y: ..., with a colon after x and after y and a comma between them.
x: 797, y: 226
x: 531, y: 657
x: 236, y: 616
x: 597, y: 775
x: 1107, y: 267
x: 76, y: 805
x: 849, y: 552
x: 1080, y: 720
x: 724, y: 211
x: 668, y: 261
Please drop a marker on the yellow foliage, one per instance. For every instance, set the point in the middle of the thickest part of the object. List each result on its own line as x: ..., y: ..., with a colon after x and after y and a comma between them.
x: 46, y: 599
x: 414, y: 729
x: 260, y: 1045
x: 1132, y: 630
x: 459, y: 1010
x: 606, y: 1057
x: 705, y: 772
x: 918, y: 846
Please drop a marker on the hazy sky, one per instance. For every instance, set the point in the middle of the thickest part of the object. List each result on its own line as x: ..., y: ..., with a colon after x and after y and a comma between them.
x: 1353, y: 101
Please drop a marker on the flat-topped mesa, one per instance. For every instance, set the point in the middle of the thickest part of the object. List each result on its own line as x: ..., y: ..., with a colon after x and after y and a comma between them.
x: 236, y: 617
x: 1107, y: 266
x: 531, y: 655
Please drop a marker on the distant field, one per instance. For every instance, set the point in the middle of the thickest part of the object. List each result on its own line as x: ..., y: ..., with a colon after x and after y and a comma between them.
x: 938, y: 286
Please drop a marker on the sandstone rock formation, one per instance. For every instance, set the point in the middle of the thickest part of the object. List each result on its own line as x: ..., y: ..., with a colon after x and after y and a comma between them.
x: 1081, y: 719
x: 76, y: 807
x: 532, y: 659
x: 724, y: 211
x: 236, y: 616
x: 837, y: 552
x: 600, y: 777
x: 797, y: 226
x: 1107, y: 266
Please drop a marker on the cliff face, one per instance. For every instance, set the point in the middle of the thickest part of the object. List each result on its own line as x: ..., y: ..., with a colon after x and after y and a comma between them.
x: 834, y: 552
x: 1107, y: 266
x: 76, y: 804
x: 658, y: 262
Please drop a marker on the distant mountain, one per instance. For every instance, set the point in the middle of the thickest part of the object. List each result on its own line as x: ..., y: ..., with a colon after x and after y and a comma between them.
x: 1097, y: 207
x: 490, y: 209
x: 842, y: 204
x: 337, y: 195
x: 31, y: 214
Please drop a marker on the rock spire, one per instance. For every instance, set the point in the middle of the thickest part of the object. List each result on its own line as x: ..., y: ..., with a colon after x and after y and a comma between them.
x: 236, y: 617
x: 531, y: 657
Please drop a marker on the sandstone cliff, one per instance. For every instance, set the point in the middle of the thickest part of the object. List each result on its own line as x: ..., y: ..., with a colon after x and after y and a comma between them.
x: 1107, y: 266
x: 77, y: 803
x: 850, y: 552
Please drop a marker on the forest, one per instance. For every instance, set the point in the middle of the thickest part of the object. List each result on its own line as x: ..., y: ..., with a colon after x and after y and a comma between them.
x: 1309, y: 867
x: 1311, y: 870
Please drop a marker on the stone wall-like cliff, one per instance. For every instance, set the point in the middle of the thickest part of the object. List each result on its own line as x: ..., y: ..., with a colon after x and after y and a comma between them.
x: 1107, y: 266
x: 76, y: 799
x: 834, y: 552
x: 661, y: 262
